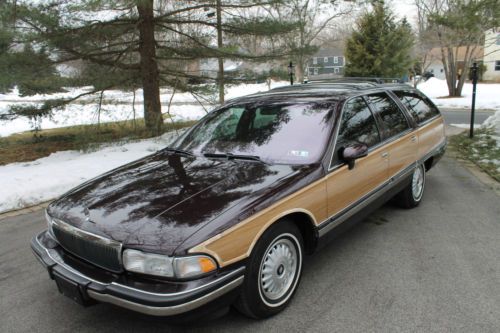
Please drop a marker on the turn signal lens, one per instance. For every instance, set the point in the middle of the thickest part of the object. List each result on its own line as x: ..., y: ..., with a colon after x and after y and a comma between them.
x: 186, y: 267
x: 206, y: 264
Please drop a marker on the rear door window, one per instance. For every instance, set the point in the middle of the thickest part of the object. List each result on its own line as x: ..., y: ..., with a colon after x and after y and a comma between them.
x: 358, y: 125
x: 420, y: 107
x: 392, y: 117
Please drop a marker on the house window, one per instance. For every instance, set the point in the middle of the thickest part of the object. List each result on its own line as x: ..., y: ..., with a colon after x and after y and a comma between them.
x: 325, y: 59
x: 335, y: 60
x: 315, y: 71
x: 336, y: 70
x: 315, y: 61
x: 497, y: 65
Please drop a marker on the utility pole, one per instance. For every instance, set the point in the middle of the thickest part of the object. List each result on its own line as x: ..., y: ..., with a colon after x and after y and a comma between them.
x: 220, y: 73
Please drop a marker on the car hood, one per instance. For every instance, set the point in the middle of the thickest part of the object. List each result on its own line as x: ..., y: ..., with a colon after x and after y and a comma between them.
x: 157, y: 202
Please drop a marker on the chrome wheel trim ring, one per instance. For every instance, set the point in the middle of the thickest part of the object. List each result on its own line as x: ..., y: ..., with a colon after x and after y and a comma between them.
x: 418, y: 183
x: 279, y: 270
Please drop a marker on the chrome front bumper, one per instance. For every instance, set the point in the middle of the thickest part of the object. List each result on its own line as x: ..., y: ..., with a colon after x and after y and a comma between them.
x: 141, y: 296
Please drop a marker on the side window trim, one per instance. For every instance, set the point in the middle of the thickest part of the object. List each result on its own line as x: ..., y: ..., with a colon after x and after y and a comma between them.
x: 378, y: 121
x: 331, y: 165
x: 409, y: 118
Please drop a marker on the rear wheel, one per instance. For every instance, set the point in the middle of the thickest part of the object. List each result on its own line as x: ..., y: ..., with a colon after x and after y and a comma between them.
x: 273, y: 271
x: 411, y: 195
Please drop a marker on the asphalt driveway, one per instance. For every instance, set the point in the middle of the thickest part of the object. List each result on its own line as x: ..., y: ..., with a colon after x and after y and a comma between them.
x: 431, y: 269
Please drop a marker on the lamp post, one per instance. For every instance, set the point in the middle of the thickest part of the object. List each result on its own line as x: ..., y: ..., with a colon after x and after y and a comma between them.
x: 474, y: 71
x: 290, y: 72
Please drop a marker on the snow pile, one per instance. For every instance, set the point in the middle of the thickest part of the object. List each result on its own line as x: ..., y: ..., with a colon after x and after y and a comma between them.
x: 487, y: 96
x: 27, y: 184
x: 116, y: 105
x: 493, y: 122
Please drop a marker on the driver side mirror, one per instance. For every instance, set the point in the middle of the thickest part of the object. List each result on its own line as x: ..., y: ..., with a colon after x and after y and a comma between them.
x: 351, y: 153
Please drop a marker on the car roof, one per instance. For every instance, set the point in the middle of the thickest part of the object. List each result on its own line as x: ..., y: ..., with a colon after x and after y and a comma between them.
x: 321, y: 91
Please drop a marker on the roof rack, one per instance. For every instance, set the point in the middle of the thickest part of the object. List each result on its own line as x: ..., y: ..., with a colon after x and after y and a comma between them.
x: 378, y: 80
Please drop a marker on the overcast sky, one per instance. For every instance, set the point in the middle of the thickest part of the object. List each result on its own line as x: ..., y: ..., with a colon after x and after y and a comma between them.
x: 404, y: 8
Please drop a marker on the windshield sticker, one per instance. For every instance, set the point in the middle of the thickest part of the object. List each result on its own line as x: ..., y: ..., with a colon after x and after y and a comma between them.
x: 299, y: 153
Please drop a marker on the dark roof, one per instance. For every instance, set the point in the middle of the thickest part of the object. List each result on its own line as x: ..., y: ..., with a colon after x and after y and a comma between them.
x: 331, y: 52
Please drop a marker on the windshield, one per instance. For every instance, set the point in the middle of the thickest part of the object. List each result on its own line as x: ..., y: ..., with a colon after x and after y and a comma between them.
x: 275, y: 133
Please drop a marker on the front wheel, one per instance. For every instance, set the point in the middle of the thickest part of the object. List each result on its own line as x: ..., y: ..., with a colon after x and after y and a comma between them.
x: 273, y: 271
x: 411, y: 195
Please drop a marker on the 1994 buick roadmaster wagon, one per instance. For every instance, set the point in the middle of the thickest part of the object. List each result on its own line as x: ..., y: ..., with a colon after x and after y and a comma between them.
x: 226, y: 214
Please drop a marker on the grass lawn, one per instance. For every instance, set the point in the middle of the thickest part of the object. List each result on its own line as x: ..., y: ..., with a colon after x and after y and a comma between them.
x: 483, y: 150
x: 24, y: 147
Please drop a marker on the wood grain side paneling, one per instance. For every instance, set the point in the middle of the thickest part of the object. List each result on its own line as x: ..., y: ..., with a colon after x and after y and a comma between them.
x: 237, y: 242
x: 402, y: 152
x: 429, y: 136
x: 346, y: 186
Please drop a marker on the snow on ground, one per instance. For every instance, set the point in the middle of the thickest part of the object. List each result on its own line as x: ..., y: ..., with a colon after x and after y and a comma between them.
x: 487, y: 95
x: 27, y: 184
x: 466, y: 126
x: 116, y: 105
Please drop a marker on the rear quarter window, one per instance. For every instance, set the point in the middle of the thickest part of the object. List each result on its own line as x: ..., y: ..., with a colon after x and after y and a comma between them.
x: 420, y: 107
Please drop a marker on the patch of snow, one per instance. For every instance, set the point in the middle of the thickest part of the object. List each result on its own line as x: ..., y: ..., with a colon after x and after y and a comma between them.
x: 487, y: 96
x: 116, y: 106
x: 466, y: 126
x: 26, y: 184
x: 493, y: 121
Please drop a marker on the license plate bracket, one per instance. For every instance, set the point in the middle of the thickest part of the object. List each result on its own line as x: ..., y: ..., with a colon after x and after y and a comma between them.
x: 70, y: 289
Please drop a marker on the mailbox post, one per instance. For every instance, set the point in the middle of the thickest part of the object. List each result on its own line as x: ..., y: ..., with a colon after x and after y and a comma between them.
x: 474, y: 71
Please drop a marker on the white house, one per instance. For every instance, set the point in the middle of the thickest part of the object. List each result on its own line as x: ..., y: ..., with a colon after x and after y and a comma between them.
x: 492, y: 55
x: 435, y: 66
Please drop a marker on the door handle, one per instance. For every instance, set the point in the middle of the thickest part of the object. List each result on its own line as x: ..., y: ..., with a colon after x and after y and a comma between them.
x: 385, y: 155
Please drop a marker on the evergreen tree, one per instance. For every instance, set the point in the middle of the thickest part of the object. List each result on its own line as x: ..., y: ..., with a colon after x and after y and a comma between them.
x: 142, y: 43
x: 380, y: 45
x: 30, y: 70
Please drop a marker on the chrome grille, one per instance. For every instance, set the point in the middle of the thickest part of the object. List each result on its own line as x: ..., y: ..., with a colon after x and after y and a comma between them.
x: 97, y: 250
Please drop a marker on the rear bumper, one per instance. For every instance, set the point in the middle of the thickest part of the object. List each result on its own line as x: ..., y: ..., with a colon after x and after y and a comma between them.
x: 145, y: 296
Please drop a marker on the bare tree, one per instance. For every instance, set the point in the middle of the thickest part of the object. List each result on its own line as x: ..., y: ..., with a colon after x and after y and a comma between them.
x: 315, y: 18
x: 459, y: 27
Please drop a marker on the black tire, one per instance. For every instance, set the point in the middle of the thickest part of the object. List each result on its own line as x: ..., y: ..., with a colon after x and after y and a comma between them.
x: 407, y: 198
x: 253, y: 301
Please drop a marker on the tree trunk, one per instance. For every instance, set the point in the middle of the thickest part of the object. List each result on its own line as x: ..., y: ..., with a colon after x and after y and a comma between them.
x: 149, y: 68
x: 220, y: 73
x: 299, y: 72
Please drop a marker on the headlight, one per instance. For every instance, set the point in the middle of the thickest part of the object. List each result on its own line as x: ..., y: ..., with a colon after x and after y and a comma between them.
x: 160, y: 265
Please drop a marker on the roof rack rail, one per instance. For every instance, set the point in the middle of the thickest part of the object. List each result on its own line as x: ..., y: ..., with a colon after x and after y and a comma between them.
x: 378, y: 80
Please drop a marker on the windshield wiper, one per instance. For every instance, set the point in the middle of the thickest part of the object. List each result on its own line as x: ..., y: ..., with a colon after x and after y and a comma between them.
x: 179, y: 151
x: 231, y: 156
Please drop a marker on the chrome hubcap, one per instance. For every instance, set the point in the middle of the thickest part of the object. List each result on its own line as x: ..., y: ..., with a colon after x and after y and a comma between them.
x: 417, y: 184
x: 278, y: 269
